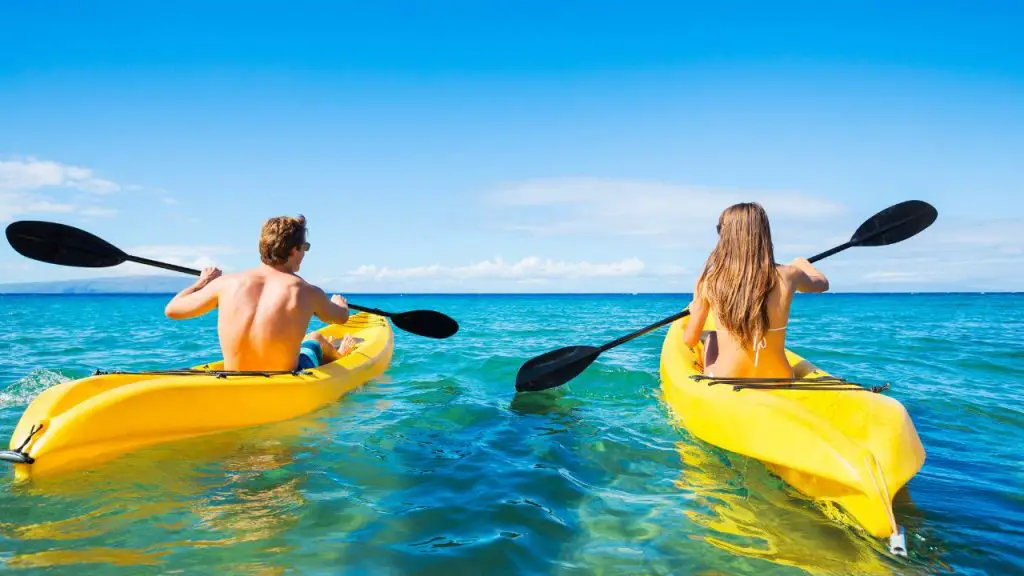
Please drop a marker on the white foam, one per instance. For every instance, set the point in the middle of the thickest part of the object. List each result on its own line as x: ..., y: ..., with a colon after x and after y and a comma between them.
x: 22, y: 392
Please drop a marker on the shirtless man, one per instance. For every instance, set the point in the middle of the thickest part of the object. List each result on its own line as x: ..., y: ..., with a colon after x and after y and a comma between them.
x: 265, y: 311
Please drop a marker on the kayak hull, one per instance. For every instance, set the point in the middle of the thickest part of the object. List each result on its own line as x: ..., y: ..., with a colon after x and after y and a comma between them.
x: 87, y: 421
x: 856, y: 449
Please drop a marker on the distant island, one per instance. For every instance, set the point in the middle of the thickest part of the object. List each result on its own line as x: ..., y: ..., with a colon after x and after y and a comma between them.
x: 110, y: 285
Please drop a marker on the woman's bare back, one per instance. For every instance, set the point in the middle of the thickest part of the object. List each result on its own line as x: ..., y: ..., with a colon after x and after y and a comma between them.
x: 726, y: 358
x: 768, y: 358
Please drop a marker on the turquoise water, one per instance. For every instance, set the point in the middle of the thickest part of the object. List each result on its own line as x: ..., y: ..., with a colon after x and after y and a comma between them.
x: 438, y: 467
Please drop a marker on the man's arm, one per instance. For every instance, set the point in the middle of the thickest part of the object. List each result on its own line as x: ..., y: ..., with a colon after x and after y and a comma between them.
x: 333, y: 310
x: 197, y: 299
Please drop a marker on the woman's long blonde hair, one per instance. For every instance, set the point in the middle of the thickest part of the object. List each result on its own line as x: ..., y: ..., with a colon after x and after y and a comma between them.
x: 740, y: 272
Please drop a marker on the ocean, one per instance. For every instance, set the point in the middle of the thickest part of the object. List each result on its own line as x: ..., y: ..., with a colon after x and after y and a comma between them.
x: 439, y: 467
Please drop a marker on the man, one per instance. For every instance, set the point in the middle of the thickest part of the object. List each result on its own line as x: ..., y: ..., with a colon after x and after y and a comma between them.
x: 265, y: 311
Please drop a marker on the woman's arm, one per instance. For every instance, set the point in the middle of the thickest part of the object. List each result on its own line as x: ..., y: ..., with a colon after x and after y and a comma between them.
x: 805, y: 277
x: 699, y: 309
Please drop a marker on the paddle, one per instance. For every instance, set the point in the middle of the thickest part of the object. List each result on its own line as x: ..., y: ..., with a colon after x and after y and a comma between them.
x: 69, y: 246
x: 894, y: 224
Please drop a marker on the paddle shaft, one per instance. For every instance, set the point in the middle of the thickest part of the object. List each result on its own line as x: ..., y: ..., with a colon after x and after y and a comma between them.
x: 164, y: 265
x: 856, y: 241
x: 828, y: 253
x: 643, y: 331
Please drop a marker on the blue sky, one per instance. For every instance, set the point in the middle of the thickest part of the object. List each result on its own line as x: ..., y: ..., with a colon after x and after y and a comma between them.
x: 453, y: 146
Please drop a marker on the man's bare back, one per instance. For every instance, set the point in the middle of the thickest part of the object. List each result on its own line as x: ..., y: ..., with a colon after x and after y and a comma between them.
x: 264, y: 312
x: 263, y: 317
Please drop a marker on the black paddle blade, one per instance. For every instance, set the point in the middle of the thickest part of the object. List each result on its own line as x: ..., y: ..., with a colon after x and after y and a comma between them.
x: 62, y: 244
x: 895, y: 224
x: 555, y: 368
x: 429, y: 323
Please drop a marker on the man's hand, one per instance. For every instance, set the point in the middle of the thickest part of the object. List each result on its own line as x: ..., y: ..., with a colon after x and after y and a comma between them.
x: 340, y: 301
x: 332, y: 311
x: 197, y: 299
x: 209, y: 274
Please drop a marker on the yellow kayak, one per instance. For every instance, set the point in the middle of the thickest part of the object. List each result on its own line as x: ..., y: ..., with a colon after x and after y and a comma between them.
x: 80, y: 423
x: 855, y: 448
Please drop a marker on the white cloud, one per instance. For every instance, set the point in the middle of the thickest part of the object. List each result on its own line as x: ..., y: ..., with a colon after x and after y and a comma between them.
x: 23, y: 180
x: 640, y: 208
x: 32, y: 174
x: 898, y: 276
x: 982, y: 254
x: 527, y: 274
x: 181, y: 250
x: 529, y: 268
x: 976, y: 254
x: 1002, y: 236
x: 671, y: 270
x: 991, y: 274
x: 15, y: 203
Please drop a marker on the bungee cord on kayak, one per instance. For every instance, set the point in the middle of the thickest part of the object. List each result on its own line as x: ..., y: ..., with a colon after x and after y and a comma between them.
x: 852, y: 387
x: 18, y: 455
x: 198, y: 372
x: 826, y: 383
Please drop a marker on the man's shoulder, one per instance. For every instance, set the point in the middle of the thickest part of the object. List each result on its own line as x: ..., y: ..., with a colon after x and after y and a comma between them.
x: 305, y: 289
x: 243, y: 276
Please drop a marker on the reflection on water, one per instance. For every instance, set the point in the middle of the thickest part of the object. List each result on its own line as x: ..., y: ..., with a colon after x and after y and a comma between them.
x: 98, y: 555
x: 217, y: 491
x: 747, y: 511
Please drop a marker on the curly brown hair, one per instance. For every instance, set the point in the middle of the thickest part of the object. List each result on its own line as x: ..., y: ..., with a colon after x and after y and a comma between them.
x: 279, y: 236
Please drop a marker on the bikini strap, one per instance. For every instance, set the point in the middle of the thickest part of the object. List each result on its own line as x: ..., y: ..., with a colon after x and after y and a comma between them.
x: 757, y: 349
x: 764, y: 343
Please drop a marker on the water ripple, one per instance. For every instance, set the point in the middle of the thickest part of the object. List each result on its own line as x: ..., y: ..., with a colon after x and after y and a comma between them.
x: 438, y: 466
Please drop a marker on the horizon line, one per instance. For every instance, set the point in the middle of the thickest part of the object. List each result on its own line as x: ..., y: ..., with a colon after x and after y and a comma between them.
x: 877, y: 293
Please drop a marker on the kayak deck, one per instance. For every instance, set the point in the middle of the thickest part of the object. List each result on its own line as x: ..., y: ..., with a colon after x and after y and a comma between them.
x: 854, y: 448
x: 85, y: 421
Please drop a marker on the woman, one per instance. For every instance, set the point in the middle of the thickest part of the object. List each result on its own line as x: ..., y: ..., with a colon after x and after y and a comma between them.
x: 750, y: 296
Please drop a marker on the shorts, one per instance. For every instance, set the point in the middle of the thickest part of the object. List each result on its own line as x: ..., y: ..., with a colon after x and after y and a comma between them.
x: 311, y: 355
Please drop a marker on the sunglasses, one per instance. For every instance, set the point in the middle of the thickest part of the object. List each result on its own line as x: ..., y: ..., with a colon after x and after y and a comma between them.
x: 718, y: 228
x: 305, y: 246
